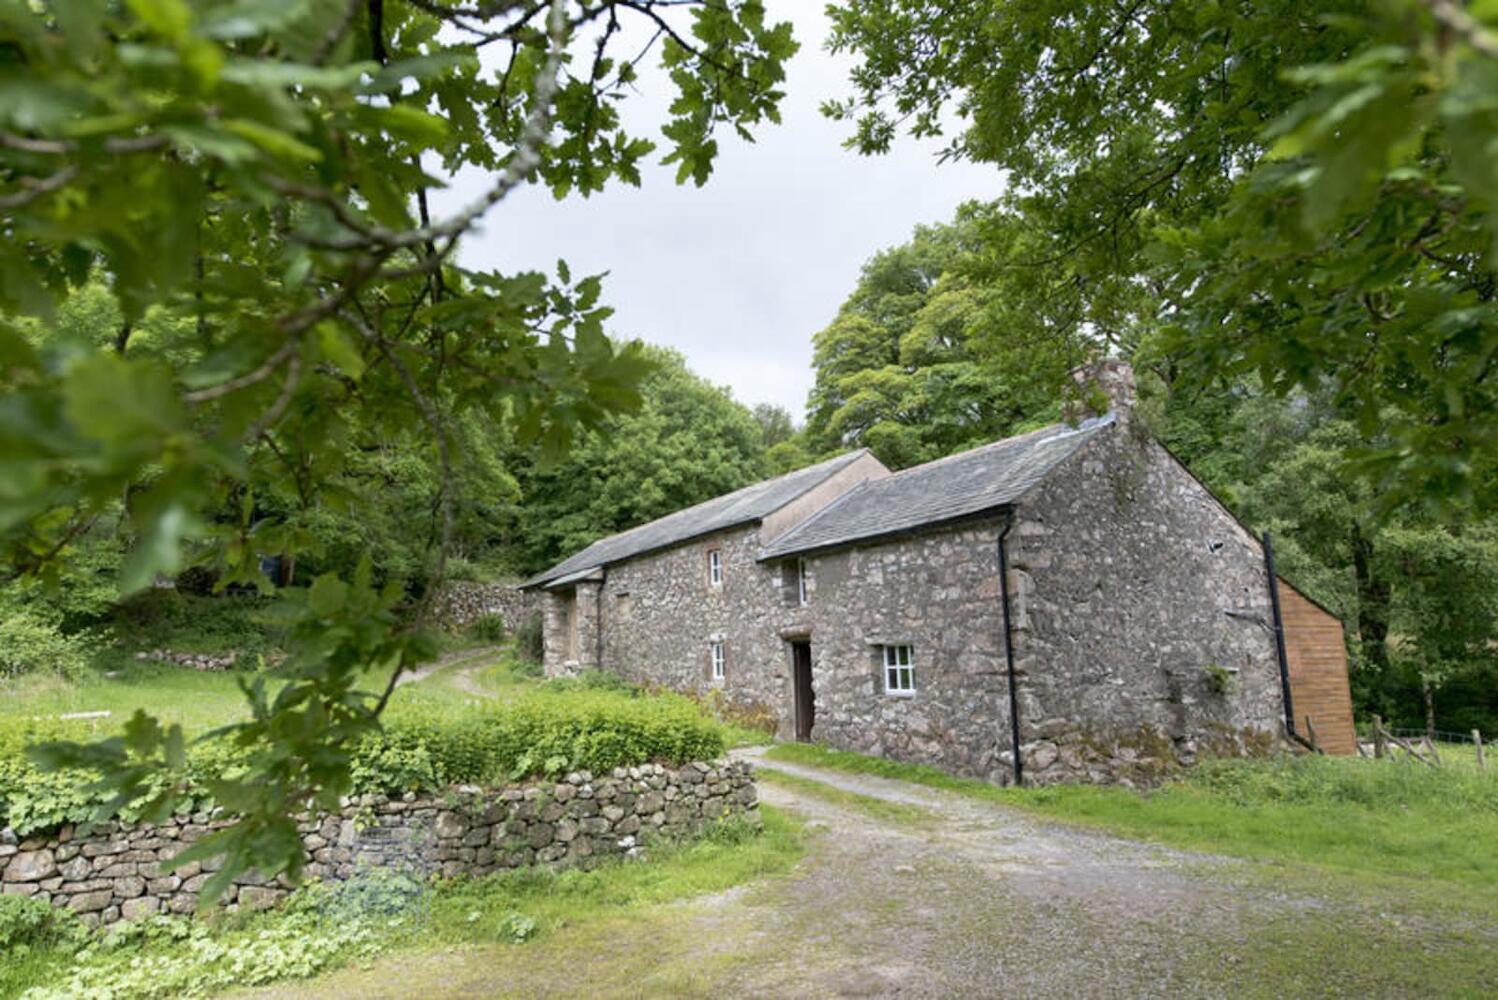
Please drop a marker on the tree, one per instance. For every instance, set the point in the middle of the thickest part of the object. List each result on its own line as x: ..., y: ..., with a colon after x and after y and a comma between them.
x: 920, y: 362
x: 1418, y: 594
x: 254, y: 177
x: 689, y: 442
x: 1242, y: 189
x: 775, y: 424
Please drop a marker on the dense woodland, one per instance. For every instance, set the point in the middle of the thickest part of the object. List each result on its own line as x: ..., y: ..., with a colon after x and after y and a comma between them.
x: 232, y: 327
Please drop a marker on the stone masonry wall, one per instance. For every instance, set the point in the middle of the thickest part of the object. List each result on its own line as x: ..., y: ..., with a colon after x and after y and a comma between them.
x: 462, y: 602
x: 660, y: 614
x: 1132, y: 586
x: 938, y: 593
x: 116, y: 873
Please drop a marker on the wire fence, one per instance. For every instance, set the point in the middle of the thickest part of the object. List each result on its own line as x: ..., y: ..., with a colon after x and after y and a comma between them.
x: 1440, y: 735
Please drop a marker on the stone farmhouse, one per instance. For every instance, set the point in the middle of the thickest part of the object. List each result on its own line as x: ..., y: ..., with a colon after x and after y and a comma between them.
x: 1067, y: 604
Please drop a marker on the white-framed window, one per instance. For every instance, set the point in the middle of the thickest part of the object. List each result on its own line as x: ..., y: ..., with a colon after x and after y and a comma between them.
x: 720, y: 660
x: 801, y: 595
x: 715, y: 567
x: 899, y: 670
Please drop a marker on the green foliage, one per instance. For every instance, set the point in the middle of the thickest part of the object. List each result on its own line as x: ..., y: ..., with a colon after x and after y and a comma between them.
x: 587, y: 725
x: 540, y: 734
x: 517, y: 928
x: 488, y: 628
x: 1221, y: 679
x: 689, y: 442
x: 921, y: 362
x: 173, y: 957
x: 1241, y: 190
x: 31, y: 641
x: 594, y: 679
x: 27, y: 923
x: 285, y: 326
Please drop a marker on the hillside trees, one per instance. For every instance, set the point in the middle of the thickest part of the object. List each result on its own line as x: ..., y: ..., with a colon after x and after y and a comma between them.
x: 689, y: 441
x: 919, y: 361
x: 257, y: 176
x: 1300, y: 194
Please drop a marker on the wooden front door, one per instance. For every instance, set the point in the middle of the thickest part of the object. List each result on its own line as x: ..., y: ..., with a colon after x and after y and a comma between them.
x: 806, y: 698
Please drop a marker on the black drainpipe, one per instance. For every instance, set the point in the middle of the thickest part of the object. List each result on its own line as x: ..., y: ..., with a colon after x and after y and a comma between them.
x: 1279, y: 646
x: 1019, y: 765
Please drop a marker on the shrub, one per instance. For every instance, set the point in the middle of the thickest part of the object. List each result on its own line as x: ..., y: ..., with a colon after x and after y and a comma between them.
x: 530, y: 639
x: 27, y: 923
x: 488, y: 628
x: 31, y: 642
x: 543, y: 734
x: 594, y: 680
x: 420, y: 748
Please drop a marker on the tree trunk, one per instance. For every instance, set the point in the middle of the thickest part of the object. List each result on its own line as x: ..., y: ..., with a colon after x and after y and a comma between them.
x: 1427, y: 691
x: 1373, y: 605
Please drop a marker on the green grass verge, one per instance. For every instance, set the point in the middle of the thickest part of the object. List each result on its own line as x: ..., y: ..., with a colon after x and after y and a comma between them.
x: 902, y: 813
x: 1430, y: 833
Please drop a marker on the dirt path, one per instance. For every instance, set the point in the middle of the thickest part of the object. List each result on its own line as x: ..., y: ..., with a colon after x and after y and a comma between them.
x: 458, y: 667
x: 973, y: 900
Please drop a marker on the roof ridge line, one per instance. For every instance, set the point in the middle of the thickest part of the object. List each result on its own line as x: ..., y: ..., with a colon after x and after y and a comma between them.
x: 816, y: 515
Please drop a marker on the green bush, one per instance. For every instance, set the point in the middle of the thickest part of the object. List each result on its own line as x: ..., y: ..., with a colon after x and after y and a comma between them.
x: 419, y: 748
x: 31, y: 642
x: 543, y: 734
x: 530, y: 639
x: 594, y: 680
x: 488, y: 628
x: 27, y: 923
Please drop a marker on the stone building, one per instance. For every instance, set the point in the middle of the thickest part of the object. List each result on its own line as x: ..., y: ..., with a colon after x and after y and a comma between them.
x: 1068, y: 604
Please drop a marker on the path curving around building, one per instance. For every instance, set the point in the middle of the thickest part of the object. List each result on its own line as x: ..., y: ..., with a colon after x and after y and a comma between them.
x: 910, y: 891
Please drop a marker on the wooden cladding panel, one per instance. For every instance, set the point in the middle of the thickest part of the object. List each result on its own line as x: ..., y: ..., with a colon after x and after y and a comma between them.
x: 1317, y: 658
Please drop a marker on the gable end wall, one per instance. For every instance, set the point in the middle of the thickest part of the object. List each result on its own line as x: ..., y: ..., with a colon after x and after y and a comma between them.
x: 1133, y: 586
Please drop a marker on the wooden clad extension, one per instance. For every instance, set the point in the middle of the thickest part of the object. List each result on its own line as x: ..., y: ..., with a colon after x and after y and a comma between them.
x: 1317, y: 659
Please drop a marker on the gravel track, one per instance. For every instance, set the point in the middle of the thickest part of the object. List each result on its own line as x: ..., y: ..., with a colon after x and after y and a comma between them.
x: 977, y: 900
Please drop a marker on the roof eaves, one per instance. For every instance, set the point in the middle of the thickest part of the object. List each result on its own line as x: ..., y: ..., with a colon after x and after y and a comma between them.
x: 836, y: 464
x: 877, y: 538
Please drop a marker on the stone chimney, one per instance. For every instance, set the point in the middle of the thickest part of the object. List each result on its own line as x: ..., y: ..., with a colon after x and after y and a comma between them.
x: 1102, y: 386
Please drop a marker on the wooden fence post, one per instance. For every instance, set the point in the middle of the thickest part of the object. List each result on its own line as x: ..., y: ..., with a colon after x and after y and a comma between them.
x: 1311, y: 733
x: 1379, y: 749
x: 1477, y: 742
x: 1430, y: 748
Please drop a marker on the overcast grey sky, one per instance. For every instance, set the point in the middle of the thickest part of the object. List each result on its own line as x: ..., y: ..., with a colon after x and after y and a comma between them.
x: 739, y: 274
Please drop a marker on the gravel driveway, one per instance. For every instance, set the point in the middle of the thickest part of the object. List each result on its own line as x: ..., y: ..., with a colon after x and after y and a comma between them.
x: 970, y: 899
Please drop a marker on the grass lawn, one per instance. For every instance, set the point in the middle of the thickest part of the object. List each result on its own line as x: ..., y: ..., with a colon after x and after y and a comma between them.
x: 1424, y: 832
x: 202, y: 701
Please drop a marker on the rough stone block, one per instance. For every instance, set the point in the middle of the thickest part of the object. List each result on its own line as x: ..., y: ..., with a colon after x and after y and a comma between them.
x: 31, y: 865
x: 90, y: 902
x: 137, y: 909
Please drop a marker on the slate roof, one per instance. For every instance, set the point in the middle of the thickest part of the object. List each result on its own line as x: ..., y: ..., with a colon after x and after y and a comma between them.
x: 968, y: 483
x: 752, y: 503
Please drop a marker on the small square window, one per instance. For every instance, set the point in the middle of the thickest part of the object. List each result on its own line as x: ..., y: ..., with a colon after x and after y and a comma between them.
x: 801, y: 595
x: 715, y: 567
x: 720, y: 662
x: 899, y: 670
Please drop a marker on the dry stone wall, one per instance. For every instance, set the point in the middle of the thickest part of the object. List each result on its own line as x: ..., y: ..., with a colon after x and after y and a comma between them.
x: 117, y: 872
x: 462, y: 602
